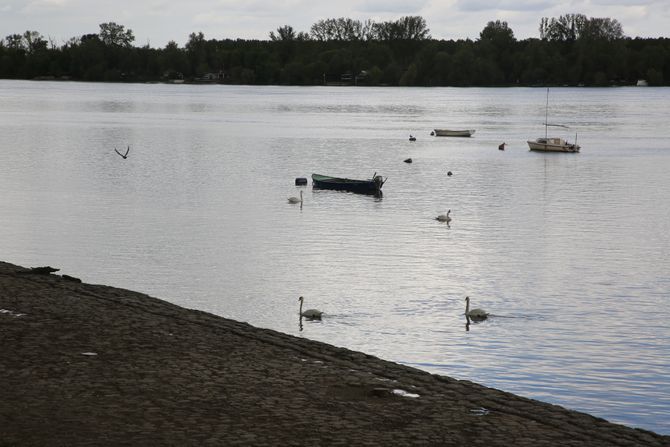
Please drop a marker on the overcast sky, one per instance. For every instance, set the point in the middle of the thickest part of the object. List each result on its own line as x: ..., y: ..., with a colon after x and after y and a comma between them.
x: 156, y: 22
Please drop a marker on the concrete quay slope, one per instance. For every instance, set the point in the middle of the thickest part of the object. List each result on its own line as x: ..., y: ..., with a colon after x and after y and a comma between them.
x: 91, y: 365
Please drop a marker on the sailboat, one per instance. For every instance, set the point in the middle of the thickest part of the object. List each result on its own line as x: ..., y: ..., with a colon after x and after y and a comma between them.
x: 547, y: 144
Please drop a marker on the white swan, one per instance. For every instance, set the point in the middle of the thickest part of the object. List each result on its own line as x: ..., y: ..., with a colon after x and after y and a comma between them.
x: 444, y: 217
x: 475, y: 314
x: 312, y: 314
x: 295, y: 199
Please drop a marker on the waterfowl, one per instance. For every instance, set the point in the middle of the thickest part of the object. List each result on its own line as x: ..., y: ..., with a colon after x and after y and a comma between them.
x: 475, y: 314
x: 412, y: 138
x: 124, y: 156
x: 295, y: 199
x: 312, y: 314
x: 444, y: 217
x: 502, y: 147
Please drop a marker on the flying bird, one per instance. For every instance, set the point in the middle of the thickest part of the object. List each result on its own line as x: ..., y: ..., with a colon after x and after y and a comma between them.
x: 124, y: 156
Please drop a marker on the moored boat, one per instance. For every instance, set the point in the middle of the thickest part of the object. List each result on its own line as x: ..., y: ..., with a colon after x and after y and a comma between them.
x: 548, y: 144
x: 369, y: 186
x: 454, y: 133
x: 552, y: 145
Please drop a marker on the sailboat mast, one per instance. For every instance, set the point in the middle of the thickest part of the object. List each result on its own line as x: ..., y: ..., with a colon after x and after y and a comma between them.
x: 546, y: 114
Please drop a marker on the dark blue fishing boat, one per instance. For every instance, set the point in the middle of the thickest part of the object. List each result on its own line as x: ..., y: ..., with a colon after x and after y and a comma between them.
x: 369, y: 186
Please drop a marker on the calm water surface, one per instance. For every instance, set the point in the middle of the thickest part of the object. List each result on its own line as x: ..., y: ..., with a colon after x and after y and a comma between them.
x: 568, y: 251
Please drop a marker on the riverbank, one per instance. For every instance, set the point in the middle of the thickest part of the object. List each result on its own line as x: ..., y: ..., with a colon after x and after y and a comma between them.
x: 86, y: 364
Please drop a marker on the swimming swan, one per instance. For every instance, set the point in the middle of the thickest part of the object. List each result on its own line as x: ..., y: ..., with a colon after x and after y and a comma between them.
x: 312, y: 314
x: 475, y: 314
x: 444, y: 217
x: 295, y: 199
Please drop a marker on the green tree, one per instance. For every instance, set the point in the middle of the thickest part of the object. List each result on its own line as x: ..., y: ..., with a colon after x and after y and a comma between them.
x: 564, y: 28
x: 440, y: 69
x: 15, y: 42
x: 571, y: 27
x: 464, y: 66
x: 87, y: 58
x: 196, y: 49
x: 654, y: 77
x: 497, y: 44
x: 117, y: 35
x: 408, y: 78
x: 601, y: 29
x: 374, y: 75
x: 285, y: 32
x: 405, y: 28
x: 293, y: 74
x: 391, y: 74
x: 342, y: 29
x: 498, y: 33
x: 33, y: 41
x: 173, y: 61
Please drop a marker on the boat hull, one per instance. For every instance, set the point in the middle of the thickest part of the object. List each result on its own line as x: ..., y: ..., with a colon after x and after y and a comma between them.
x: 372, y: 186
x: 453, y: 133
x: 552, y: 145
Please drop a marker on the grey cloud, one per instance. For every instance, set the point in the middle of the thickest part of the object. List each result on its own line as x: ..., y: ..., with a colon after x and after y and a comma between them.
x: 627, y: 2
x: 503, y: 5
x: 391, y: 6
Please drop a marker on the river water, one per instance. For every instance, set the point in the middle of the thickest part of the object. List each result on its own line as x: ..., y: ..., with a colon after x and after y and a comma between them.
x: 569, y: 252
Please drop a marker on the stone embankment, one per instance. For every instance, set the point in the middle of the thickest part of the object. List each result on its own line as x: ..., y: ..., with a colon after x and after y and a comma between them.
x: 85, y: 364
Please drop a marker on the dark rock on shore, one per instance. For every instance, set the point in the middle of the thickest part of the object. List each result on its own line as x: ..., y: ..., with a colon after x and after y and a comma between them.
x: 46, y: 270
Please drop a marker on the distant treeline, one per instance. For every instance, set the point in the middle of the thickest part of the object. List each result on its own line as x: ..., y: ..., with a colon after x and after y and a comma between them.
x: 571, y: 50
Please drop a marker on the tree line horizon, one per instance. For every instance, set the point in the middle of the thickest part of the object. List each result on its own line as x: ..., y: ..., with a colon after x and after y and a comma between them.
x: 571, y: 49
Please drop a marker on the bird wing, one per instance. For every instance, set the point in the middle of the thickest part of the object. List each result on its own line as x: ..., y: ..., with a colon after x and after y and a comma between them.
x: 118, y: 152
x: 127, y: 150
